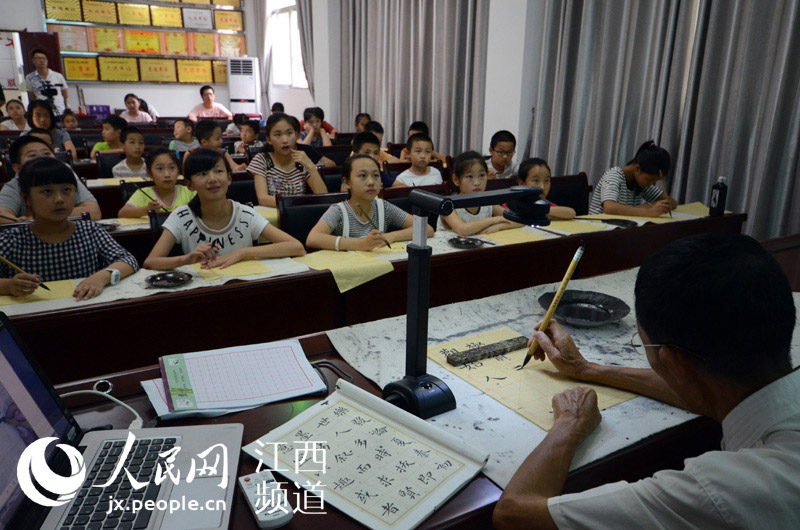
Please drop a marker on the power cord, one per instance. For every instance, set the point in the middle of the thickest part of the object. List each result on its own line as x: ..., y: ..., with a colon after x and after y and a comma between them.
x: 135, y: 424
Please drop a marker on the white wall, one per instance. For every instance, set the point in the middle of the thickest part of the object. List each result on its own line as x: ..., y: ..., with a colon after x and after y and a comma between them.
x: 22, y: 14
x: 294, y: 99
x: 508, y: 20
x: 169, y: 100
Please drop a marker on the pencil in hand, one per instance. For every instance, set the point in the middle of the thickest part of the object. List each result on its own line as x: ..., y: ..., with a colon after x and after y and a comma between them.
x: 19, y: 270
x: 554, y: 304
x: 372, y: 223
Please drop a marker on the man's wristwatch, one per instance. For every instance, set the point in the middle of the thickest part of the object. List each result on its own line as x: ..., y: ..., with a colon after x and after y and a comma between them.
x: 115, y: 275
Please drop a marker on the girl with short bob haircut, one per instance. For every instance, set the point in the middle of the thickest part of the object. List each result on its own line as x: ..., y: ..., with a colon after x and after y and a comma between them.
x: 53, y: 247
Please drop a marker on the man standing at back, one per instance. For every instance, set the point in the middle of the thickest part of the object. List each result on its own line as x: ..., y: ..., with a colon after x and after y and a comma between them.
x: 37, y: 82
x: 715, y: 319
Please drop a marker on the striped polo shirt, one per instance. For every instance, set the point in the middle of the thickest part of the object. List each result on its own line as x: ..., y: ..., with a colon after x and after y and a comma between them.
x: 614, y: 187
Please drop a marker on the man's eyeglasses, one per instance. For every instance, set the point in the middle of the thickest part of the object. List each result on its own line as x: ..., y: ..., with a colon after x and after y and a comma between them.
x: 636, y: 344
x: 505, y: 154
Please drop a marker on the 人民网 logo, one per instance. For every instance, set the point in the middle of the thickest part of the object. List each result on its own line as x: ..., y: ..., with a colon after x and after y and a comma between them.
x: 33, y: 466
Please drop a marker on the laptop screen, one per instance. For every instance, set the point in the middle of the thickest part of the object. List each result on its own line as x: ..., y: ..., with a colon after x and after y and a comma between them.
x: 27, y: 412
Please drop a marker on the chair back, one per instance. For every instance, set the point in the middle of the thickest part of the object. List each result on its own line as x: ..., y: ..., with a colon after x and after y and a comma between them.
x: 243, y: 191
x: 337, y: 153
x: 157, y: 227
x: 106, y: 163
x: 399, y: 197
x: 252, y: 151
x: 395, y: 168
x: 572, y: 191
x: 297, y: 214
x: 395, y: 149
x: 87, y: 122
x: 129, y: 188
x: 66, y: 157
x: 332, y: 177
x: 345, y: 138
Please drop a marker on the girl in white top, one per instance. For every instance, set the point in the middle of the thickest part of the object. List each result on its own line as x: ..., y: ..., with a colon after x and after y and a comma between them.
x: 212, y: 229
x: 349, y: 224
x: 133, y: 114
x: 470, y: 174
x: 16, y: 110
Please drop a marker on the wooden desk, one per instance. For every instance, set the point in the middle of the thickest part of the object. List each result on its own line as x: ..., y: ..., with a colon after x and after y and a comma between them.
x: 470, y: 508
x: 122, y: 335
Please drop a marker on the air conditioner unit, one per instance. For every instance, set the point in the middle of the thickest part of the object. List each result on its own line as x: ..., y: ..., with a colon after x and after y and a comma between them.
x: 244, y: 85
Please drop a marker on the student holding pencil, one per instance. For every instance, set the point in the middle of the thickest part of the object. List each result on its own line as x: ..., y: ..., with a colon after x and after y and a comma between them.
x: 54, y: 248
x: 633, y: 189
x: 165, y: 195
x: 212, y: 229
x: 363, y: 222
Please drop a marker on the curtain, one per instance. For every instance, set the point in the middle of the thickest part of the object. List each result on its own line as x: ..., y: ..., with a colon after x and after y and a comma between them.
x: 306, y: 29
x: 409, y: 60
x: 604, y: 75
x: 264, y: 51
x: 713, y: 82
x: 742, y: 115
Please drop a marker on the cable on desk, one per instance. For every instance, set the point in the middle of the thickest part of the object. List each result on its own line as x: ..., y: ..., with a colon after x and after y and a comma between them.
x: 135, y: 424
x: 332, y: 367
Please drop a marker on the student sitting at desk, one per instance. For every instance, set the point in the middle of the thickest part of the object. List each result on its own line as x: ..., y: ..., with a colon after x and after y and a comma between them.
x: 209, y: 134
x: 183, y: 131
x: 212, y: 229
x: 54, y: 248
x: 351, y: 225
x: 470, y: 173
x: 13, y: 208
x: 630, y: 190
x: 165, y: 195
x: 420, y: 148
x: 285, y: 169
x: 132, y: 166
x: 40, y: 115
x: 715, y: 319
x: 111, y: 130
x: 536, y: 172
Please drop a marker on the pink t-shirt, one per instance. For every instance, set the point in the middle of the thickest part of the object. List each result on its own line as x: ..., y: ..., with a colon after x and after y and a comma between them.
x: 142, y: 117
x: 216, y: 111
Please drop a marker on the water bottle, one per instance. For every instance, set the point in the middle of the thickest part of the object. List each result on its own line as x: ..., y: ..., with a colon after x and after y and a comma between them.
x: 719, y: 192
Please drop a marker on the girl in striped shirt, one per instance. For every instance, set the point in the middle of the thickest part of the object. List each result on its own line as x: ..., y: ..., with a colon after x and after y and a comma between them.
x: 634, y: 189
x: 285, y: 170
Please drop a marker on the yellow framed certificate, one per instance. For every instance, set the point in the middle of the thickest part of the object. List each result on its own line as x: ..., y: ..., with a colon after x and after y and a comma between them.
x: 174, y: 43
x: 202, y: 44
x: 231, y: 20
x: 231, y: 45
x: 234, y: 3
x: 196, y: 1
x: 118, y: 68
x: 106, y: 40
x: 141, y: 41
x: 194, y: 71
x: 220, y: 71
x: 169, y: 17
x: 158, y: 70
x: 134, y: 14
x: 81, y: 69
x: 63, y: 10
x: 104, y: 12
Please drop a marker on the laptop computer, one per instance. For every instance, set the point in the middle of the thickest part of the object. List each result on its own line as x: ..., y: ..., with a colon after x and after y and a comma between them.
x: 112, y: 479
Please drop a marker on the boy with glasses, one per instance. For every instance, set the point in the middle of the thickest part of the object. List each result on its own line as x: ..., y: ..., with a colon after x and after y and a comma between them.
x: 502, y: 148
